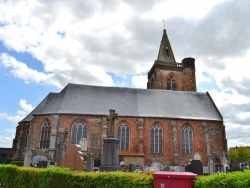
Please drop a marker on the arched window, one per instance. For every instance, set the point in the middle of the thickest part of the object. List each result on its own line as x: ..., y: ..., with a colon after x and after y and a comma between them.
x: 79, y: 130
x: 156, y: 139
x: 123, y: 136
x: 171, y: 83
x: 45, y: 134
x: 187, y: 140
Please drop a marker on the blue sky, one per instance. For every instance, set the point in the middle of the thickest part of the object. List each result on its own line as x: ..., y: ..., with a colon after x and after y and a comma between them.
x: 46, y: 44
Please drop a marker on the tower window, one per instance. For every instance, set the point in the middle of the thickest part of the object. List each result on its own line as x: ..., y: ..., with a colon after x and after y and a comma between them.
x: 171, y: 83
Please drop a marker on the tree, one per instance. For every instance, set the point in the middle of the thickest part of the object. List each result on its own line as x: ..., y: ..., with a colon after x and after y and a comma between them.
x: 233, y: 154
x: 241, y: 152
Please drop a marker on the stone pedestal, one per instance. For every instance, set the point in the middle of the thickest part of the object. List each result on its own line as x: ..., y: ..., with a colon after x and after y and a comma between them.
x: 110, y: 161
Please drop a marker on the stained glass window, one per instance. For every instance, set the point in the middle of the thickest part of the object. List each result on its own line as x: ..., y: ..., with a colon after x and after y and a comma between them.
x: 79, y: 130
x: 123, y: 136
x: 187, y: 140
x: 156, y: 139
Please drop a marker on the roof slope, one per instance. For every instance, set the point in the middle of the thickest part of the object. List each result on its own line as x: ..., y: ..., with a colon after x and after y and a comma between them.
x: 97, y: 100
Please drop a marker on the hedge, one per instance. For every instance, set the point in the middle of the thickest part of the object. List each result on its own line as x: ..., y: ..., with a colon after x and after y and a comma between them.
x: 224, y: 180
x: 13, y: 176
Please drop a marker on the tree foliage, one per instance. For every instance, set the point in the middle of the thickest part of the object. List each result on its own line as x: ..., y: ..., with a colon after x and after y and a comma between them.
x: 241, y: 152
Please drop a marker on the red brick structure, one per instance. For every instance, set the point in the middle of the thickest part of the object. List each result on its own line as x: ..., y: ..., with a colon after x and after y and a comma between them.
x: 168, y: 123
x: 6, y: 155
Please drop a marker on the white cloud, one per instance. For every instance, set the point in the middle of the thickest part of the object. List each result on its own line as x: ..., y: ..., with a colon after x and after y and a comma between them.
x: 191, y: 9
x: 25, y: 109
x: 13, y: 119
x: 139, y: 81
x: 22, y: 71
x: 6, y: 142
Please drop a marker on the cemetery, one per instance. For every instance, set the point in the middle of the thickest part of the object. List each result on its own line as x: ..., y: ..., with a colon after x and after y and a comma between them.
x: 114, y: 173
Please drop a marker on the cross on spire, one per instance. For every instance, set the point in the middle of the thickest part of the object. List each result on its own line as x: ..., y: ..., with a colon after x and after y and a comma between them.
x: 164, y: 24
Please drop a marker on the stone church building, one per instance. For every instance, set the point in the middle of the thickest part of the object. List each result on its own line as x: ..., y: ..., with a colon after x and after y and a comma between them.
x: 169, y: 122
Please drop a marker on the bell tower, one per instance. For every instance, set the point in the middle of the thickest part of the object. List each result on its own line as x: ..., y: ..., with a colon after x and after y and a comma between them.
x: 167, y: 74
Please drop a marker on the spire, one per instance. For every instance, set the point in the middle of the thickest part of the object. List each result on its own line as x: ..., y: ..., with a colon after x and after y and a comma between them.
x: 165, y: 52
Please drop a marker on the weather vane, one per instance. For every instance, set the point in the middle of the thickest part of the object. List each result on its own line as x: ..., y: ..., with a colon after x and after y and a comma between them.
x: 164, y: 23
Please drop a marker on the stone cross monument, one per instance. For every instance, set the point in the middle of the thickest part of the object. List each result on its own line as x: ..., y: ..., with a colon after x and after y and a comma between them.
x: 110, y: 159
x: 111, y: 118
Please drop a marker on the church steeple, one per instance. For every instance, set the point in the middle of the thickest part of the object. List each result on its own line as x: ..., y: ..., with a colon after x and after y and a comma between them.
x: 165, y: 52
x: 167, y: 74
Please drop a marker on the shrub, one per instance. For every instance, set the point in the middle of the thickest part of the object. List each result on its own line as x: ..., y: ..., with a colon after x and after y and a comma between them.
x: 224, y: 180
x: 28, y: 177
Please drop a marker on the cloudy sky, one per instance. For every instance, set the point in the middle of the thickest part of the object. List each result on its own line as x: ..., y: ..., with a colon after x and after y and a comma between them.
x: 46, y: 44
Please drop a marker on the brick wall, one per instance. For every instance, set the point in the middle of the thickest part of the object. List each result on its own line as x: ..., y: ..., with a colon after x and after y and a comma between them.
x: 208, y: 137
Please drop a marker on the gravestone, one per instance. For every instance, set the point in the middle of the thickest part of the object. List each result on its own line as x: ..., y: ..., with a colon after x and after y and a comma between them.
x: 211, y: 167
x: 242, y: 166
x: 175, y: 169
x: 205, y: 170
x: 39, y: 161
x: 110, y: 160
x: 197, y: 156
x: 90, y: 162
x: 166, y: 168
x: 27, y: 158
x: 235, y: 165
x: 156, y: 166
x: 187, y: 167
x: 196, y: 167
x: 146, y: 169
x: 182, y: 168
x: 135, y: 167
x: 219, y: 168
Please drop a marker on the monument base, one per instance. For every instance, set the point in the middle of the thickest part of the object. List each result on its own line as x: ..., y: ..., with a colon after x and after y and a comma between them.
x: 110, y: 161
x: 109, y: 168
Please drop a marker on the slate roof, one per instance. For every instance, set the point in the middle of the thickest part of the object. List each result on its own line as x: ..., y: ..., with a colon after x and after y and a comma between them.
x: 97, y: 100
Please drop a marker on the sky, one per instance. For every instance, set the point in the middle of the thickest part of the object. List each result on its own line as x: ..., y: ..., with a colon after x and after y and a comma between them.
x: 44, y: 45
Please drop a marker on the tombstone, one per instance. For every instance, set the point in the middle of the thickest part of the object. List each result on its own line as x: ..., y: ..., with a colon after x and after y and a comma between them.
x: 42, y: 164
x: 182, y: 169
x: 242, y: 166
x: 146, y: 169
x: 135, y: 167
x: 225, y: 167
x: 175, y: 169
x: 211, y: 168
x: 39, y: 161
x: 219, y: 168
x: 197, y: 156
x: 196, y: 167
x: 27, y: 158
x: 205, y: 170
x: 235, y: 165
x: 90, y: 162
x: 187, y: 168
x: 166, y: 168
x: 156, y: 166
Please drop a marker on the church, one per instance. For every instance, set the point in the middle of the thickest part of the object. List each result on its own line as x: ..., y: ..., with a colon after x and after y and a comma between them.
x: 169, y: 122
